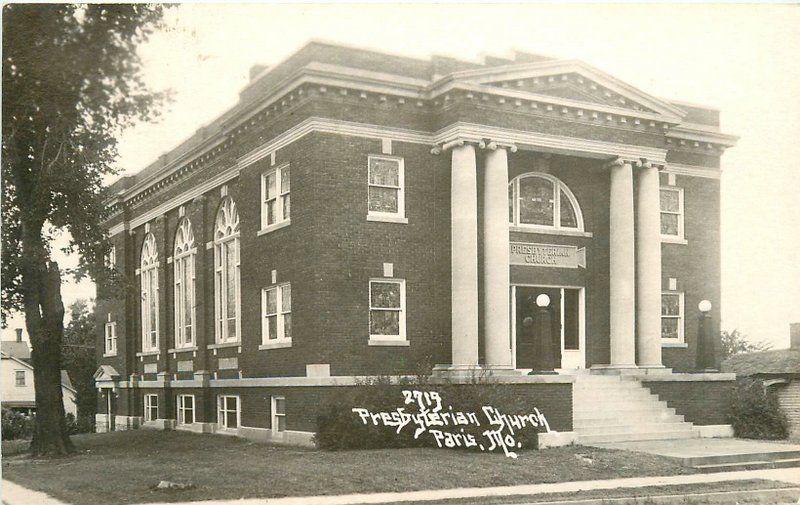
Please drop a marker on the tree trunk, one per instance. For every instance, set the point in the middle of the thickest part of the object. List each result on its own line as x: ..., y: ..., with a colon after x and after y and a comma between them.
x: 44, y: 319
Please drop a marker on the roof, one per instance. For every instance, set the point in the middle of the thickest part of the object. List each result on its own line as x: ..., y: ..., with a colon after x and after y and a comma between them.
x: 65, y: 380
x: 379, y: 72
x: 777, y: 362
x: 19, y: 350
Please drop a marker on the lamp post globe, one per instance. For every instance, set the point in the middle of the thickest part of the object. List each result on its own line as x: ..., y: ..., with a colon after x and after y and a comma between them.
x: 542, y: 300
x: 704, y: 306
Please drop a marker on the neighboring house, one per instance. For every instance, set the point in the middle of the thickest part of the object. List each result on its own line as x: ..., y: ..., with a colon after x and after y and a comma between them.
x: 359, y: 213
x: 16, y: 379
x: 779, y: 369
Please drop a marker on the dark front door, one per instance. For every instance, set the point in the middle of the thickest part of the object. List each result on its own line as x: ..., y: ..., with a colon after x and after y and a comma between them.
x: 529, y: 327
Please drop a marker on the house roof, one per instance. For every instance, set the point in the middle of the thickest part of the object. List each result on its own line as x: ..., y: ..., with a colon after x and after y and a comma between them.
x: 777, y: 362
x: 19, y: 350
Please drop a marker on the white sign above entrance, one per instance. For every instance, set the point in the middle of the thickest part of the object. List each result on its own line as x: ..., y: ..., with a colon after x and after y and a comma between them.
x: 547, y: 255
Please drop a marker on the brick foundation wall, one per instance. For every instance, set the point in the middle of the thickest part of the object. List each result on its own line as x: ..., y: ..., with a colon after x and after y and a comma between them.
x: 701, y: 403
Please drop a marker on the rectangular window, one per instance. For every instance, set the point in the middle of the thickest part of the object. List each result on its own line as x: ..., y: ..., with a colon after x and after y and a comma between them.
x: 150, y: 407
x: 387, y: 309
x: 278, y: 414
x: 19, y: 378
x: 228, y: 412
x: 185, y: 409
x: 150, y: 309
x: 275, y: 197
x: 386, y: 187
x: 671, y: 205
x: 672, y: 316
x: 111, y: 339
x: 276, y: 306
x: 227, y: 289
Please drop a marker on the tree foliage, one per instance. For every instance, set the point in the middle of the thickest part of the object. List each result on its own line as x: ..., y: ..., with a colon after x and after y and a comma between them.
x: 734, y: 342
x: 80, y: 357
x: 72, y: 81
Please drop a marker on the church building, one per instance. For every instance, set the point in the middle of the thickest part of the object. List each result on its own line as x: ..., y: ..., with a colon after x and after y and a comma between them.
x: 359, y: 214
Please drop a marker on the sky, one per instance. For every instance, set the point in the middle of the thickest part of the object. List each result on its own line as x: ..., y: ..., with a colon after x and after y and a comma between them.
x: 739, y: 58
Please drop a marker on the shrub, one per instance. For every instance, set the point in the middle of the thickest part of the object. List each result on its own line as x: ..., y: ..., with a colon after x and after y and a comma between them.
x: 16, y: 425
x: 756, y: 413
x: 339, y: 428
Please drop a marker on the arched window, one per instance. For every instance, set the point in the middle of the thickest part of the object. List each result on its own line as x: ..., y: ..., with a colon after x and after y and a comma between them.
x: 183, y: 263
x: 149, y: 279
x: 542, y: 201
x: 226, y: 273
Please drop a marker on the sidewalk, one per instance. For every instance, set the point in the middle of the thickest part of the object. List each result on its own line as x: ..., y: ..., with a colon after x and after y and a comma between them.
x: 17, y: 495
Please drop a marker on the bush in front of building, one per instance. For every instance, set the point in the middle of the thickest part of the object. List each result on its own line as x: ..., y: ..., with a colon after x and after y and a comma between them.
x: 755, y: 412
x: 16, y: 425
x: 340, y: 428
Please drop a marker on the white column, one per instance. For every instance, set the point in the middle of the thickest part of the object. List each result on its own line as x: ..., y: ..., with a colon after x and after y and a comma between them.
x: 648, y: 268
x: 495, y: 259
x: 464, y: 254
x: 621, y: 266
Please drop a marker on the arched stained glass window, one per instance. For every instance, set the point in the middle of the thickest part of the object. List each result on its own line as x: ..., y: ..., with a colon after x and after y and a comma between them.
x: 149, y: 291
x: 183, y: 264
x: 542, y: 201
x: 227, y: 303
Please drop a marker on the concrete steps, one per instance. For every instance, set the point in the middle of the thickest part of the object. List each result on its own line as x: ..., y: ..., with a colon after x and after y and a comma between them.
x: 609, y: 408
x: 745, y: 461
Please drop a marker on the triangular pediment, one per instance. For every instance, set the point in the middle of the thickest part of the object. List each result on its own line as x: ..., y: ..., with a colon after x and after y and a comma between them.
x: 570, y: 80
x: 106, y: 373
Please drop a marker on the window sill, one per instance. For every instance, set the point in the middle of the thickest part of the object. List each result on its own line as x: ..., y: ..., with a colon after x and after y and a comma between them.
x: 676, y: 345
x: 182, y: 349
x: 387, y: 219
x: 148, y: 353
x: 110, y: 355
x: 667, y: 239
x: 278, y: 344
x: 387, y: 342
x: 273, y: 227
x: 226, y: 344
x: 550, y: 231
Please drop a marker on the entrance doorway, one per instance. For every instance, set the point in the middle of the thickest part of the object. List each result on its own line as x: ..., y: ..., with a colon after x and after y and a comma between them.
x: 566, y: 313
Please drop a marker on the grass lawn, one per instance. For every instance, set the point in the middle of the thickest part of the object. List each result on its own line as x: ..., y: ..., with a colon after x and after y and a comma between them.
x: 120, y: 467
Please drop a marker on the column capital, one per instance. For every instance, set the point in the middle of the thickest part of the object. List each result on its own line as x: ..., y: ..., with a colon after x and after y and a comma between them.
x: 494, y: 145
x: 457, y: 142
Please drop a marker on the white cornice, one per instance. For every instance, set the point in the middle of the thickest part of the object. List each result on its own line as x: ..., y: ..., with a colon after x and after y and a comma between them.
x: 554, y: 143
x: 711, y: 137
x: 693, y: 170
x: 469, y: 131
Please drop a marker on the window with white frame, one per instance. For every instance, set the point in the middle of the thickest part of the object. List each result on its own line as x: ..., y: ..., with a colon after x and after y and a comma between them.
x: 149, y: 283
x: 111, y: 338
x: 275, y: 196
x: 228, y: 411
x: 276, y: 306
x: 278, y: 414
x: 150, y: 407
x: 542, y: 201
x: 185, y: 409
x: 183, y: 265
x: 671, y: 204
x: 19, y: 378
x: 672, y: 316
x: 227, y: 299
x: 386, y: 186
x: 387, y: 309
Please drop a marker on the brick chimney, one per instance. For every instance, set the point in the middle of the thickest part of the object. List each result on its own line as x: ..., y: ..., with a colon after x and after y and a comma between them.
x: 19, y: 334
x: 794, y: 336
x: 256, y: 69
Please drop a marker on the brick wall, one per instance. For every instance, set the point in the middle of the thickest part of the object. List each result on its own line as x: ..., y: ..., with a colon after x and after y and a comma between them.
x: 701, y: 403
